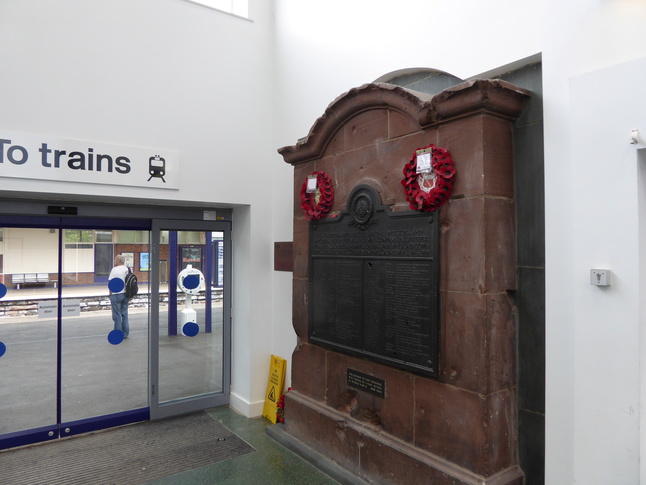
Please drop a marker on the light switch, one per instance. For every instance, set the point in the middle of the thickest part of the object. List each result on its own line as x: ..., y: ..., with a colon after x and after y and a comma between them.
x: 600, y: 277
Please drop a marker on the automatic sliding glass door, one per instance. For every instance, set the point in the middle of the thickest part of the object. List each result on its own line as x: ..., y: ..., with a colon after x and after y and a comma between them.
x: 64, y: 369
x: 28, y: 332
x: 60, y: 372
x: 192, y: 328
x: 101, y: 375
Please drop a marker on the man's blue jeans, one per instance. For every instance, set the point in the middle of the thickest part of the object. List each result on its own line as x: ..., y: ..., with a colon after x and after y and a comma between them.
x: 120, y: 312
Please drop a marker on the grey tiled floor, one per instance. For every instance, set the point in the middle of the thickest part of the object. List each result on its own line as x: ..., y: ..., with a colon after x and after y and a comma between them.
x: 270, y: 464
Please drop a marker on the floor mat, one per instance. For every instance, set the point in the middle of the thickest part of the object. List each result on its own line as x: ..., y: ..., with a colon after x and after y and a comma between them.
x: 128, y: 455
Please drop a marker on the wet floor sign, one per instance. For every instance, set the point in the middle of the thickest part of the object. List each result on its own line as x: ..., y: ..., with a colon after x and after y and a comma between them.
x: 274, y: 387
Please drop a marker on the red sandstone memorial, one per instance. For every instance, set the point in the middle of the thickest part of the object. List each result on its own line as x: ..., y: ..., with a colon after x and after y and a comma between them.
x: 417, y: 386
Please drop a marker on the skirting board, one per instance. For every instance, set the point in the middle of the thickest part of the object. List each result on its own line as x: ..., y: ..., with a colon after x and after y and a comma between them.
x: 244, y: 407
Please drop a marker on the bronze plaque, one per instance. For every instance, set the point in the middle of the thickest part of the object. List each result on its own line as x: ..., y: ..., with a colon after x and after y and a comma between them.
x: 364, y: 382
x: 374, y: 288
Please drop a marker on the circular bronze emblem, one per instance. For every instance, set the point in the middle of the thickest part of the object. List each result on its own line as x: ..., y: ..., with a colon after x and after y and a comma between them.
x: 362, y: 209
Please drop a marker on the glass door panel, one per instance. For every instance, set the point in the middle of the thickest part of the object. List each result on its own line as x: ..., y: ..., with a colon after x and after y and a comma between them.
x: 28, y: 329
x: 191, y: 366
x: 64, y: 369
x: 191, y: 338
x: 103, y: 372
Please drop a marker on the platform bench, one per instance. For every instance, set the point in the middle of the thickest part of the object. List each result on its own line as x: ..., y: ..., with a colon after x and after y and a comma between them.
x: 31, y: 279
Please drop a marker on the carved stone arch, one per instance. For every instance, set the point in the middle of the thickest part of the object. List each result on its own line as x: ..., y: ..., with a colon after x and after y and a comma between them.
x: 414, y: 106
x: 377, y: 186
x: 495, y: 97
x: 425, y: 80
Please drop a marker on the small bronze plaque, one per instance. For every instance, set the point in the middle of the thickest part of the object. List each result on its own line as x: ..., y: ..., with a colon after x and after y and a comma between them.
x: 364, y: 382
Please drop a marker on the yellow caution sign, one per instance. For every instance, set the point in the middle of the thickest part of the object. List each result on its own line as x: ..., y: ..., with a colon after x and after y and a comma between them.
x: 274, y: 387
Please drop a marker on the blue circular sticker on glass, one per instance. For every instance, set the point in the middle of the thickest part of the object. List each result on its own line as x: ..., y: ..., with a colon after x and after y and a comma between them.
x: 3, y: 290
x: 191, y: 329
x: 116, y: 285
x: 3, y: 349
x: 115, y: 337
x: 191, y: 282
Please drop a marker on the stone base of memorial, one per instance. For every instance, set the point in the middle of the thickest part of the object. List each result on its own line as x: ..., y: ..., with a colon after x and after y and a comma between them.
x: 405, y: 366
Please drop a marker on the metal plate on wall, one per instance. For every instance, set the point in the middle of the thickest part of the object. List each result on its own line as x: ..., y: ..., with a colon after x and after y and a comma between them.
x: 374, y: 284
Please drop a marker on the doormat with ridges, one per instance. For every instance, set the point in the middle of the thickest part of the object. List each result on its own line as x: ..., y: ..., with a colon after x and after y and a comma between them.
x: 127, y: 455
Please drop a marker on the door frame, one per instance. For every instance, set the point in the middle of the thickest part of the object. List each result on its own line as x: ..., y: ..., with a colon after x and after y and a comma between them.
x: 40, y: 214
x: 204, y: 401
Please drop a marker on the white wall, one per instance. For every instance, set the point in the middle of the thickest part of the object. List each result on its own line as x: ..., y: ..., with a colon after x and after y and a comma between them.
x: 605, y: 107
x: 149, y: 73
x: 594, y: 369
x: 30, y: 251
x: 168, y: 74
x: 172, y: 74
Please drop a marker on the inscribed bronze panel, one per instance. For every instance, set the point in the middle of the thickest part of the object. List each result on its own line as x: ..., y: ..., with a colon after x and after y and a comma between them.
x: 374, y: 283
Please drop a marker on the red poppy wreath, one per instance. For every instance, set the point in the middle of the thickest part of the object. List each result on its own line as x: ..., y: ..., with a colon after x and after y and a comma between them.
x: 428, y: 190
x: 317, y: 204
